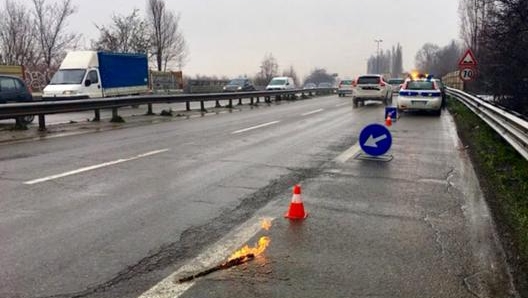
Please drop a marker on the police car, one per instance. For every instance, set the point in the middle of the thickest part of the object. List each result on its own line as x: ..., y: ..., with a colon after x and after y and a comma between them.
x: 420, y: 94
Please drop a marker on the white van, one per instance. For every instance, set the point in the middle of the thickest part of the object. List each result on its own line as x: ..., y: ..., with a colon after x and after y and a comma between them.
x: 281, y: 83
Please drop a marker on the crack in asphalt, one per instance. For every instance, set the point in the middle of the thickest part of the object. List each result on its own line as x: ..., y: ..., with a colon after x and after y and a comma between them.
x: 437, y: 232
x: 194, y: 239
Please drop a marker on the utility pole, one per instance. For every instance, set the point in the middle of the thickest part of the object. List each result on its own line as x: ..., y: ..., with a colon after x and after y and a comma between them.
x: 378, y: 41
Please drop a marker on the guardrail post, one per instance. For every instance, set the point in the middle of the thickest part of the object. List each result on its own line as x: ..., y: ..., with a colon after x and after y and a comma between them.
x: 187, y: 105
x: 251, y: 103
x: 115, y: 116
x: 97, y: 115
x: 258, y: 100
x: 42, y: 122
x: 218, y: 105
x: 202, y: 106
x: 230, y: 105
x: 240, y: 101
x: 149, y: 109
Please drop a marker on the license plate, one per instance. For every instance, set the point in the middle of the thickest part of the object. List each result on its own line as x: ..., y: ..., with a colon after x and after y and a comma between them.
x: 418, y: 102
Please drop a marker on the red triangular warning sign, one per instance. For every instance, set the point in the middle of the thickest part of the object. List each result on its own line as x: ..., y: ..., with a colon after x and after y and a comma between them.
x: 468, y: 59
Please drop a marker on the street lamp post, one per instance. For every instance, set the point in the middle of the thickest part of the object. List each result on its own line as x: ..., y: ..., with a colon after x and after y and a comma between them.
x: 378, y: 41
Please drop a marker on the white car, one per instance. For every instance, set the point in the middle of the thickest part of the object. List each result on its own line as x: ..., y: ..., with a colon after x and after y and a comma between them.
x: 371, y: 87
x: 420, y: 94
x: 281, y: 83
x: 345, y: 87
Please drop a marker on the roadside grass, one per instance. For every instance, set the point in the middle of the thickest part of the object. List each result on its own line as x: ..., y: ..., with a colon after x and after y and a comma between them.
x: 503, y: 175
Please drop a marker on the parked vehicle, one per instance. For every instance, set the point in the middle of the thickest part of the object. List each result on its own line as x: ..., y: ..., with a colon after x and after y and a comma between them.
x: 239, y: 85
x: 281, y: 83
x: 371, y: 87
x: 91, y: 74
x: 420, y: 94
x: 14, y: 89
x: 345, y: 87
x: 396, y: 84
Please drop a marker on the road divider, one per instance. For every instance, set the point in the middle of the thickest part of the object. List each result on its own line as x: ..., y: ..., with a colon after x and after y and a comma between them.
x: 94, y: 167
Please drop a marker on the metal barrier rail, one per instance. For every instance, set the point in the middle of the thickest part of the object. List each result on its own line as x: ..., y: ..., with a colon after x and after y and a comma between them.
x: 511, y: 127
x: 42, y: 108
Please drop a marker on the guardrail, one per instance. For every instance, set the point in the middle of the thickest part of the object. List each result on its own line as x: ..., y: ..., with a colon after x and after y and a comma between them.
x: 42, y: 108
x: 510, y: 126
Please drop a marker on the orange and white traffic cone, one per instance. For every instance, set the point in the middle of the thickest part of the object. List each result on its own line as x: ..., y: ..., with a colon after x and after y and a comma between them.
x: 296, y: 210
x: 388, y: 121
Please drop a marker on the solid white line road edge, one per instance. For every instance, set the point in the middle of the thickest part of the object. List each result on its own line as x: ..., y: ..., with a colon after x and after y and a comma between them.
x: 312, y: 112
x: 214, y: 255
x: 348, y: 154
x: 255, y: 127
x: 94, y: 167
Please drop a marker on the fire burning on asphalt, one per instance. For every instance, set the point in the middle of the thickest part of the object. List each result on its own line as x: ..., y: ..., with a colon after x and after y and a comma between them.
x: 241, y: 256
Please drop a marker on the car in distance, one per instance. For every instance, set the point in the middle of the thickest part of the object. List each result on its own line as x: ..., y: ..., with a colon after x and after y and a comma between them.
x: 345, y: 87
x: 420, y: 95
x: 14, y: 89
x: 371, y: 87
x: 239, y: 85
x: 281, y: 83
x: 396, y: 84
x: 310, y: 86
x: 325, y: 85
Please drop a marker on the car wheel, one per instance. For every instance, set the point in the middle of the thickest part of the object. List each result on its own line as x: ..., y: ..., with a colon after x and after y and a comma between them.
x: 438, y: 112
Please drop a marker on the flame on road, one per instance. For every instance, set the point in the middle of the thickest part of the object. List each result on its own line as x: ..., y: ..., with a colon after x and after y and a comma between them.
x: 259, y: 247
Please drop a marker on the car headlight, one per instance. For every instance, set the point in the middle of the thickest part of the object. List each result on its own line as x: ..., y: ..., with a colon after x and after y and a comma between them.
x: 239, y: 88
x: 224, y: 88
x: 69, y: 92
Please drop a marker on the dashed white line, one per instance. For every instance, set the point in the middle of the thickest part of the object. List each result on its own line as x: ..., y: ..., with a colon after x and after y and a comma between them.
x: 255, y: 127
x: 94, y: 167
x: 170, y: 288
x: 312, y: 112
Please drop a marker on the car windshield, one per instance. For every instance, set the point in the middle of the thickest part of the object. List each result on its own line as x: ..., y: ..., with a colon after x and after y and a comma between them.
x: 420, y: 85
x: 237, y: 82
x: 68, y: 76
x: 346, y: 82
x: 396, y: 81
x: 368, y: 80
x: 278, y: 82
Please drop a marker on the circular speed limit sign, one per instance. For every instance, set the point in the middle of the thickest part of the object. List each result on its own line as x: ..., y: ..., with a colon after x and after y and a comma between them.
x: 467, y: 73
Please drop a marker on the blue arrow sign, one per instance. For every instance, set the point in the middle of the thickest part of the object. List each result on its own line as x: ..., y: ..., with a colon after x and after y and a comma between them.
x: 375, y: 139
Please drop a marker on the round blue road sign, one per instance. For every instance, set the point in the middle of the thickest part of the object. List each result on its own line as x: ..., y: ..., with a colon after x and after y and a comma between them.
x: 375, y: 139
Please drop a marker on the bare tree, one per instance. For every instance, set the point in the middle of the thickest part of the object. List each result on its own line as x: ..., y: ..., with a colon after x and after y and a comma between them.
x: 269, y: 68
x: 17, y: 44
x: 126, y: 34
x: 51, y: 29
x: 427, y: 57
x: 168, y: 43
x: 290, y: 72
x: 319, y: 75
x: 473, y: 14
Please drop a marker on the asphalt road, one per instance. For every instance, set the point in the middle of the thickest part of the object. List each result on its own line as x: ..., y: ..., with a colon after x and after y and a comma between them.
x: 113, y: 213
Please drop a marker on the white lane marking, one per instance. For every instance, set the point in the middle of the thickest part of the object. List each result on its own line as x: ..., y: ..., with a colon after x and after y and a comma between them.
x: 90, y: 168
x: 342, y: 104
x: 255, y: 127
x: 312, y: 112
x: 214, y: 255
x: 348, y: 154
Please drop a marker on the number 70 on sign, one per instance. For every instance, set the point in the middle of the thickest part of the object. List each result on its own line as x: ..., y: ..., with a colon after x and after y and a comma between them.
x: 467, y: 73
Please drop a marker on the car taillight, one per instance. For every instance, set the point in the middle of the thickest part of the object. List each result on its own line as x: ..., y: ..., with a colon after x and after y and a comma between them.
x: 434, y: 86
x: 354, y: 83
x: 340, y: 84
x: 382, y: 84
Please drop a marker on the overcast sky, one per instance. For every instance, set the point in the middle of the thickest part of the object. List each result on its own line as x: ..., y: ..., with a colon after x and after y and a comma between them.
x: 231, y: 37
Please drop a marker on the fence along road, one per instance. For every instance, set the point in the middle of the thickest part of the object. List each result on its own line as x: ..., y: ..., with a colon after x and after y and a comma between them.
x: 511, y: 127
x: 43, y: 108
